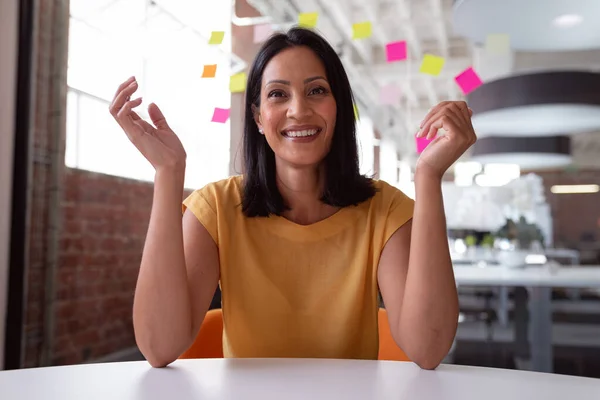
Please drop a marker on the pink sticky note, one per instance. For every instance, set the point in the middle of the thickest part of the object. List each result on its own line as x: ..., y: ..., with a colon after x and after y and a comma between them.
x: 395, y: 51
x: 468, y: 80
x: 220, y: 115
x: 262, y: 32
x: 390, y: 94
x: 422, y: 143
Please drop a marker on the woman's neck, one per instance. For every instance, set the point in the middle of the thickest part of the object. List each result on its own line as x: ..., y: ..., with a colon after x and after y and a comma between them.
x: 302, y: 189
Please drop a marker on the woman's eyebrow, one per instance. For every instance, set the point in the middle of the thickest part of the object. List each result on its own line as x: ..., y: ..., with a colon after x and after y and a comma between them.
x: 307, y: 80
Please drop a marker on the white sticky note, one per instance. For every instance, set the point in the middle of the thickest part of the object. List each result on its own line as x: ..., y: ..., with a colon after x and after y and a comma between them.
x: 497, y: 43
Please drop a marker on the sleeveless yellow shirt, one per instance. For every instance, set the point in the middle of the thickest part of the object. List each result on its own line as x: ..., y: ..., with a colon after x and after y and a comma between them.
x: 292, y: 290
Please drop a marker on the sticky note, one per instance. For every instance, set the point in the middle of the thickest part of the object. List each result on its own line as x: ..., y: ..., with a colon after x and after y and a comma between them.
x: 361, y: 30
x: 308, y: 20
x: 237, y: 82
x: 422, y: 143
x: 468, y: 80
x: 497, y: 43
x: 220, y: 115
x: 389, y: 94
x: 262, y: 32
x: 209, y: 71
x: 216, y: 37
x: 395, y: 51
x: 432, y: 65
x: 356, y: 117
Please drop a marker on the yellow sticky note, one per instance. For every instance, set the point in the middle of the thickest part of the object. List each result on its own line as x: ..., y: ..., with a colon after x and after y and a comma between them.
x: 361, y: 30
x: 432, y: 65
x: 209, y: 71
x: 237, y: 83
x: 308, y: 20
x: 355, y: 112
x: 497, y: 43
x: 216, y: 37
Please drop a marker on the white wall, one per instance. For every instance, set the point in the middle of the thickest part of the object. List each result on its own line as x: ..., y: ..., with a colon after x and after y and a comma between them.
x: 8, y: 62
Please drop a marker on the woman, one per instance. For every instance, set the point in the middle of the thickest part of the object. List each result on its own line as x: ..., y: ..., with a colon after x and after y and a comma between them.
x: 301, y: 243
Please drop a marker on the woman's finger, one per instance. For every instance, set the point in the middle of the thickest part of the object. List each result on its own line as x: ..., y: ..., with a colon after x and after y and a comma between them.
x: 146, y: 127
x: 426, y: 129
x: 126, y: 120
x: 157, y: 117
x: 431, y: 112
x: 446, y: 121
x: 122, y: 97
x: 124, y: 85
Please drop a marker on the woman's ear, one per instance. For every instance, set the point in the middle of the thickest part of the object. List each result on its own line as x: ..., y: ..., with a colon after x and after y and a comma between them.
x: 256, y: 112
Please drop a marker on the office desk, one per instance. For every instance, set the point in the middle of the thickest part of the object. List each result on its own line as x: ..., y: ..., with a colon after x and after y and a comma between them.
x: 539, y: 282
x: 290, y: 379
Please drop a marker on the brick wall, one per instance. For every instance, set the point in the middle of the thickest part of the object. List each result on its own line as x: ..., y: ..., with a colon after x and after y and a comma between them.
x: 105, y: 220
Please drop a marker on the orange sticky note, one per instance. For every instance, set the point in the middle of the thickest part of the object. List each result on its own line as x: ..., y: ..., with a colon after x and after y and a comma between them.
x: 209, y: 71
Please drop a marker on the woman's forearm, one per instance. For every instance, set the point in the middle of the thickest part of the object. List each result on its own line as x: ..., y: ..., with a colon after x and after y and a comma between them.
x: 429, y: 313
x: 162, y: 317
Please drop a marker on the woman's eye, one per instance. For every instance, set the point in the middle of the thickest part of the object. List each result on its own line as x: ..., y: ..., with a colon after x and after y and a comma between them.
x: 276, y: 93
x: 318, y: 90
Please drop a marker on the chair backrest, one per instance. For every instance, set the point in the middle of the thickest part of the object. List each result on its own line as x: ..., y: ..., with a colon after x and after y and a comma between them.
x: 209, y: 341
x: 388, y: 349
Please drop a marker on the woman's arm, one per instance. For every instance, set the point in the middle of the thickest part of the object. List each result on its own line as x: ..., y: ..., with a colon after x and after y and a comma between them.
x: 178, y: 276
x: 415, y: 271
x: 417, y: 281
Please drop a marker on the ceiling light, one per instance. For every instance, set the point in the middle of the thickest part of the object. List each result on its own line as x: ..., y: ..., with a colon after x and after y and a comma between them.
x: 569, y: 189
x: 567, y: 20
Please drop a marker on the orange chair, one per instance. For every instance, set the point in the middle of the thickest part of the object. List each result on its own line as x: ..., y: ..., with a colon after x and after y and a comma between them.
x: 209, y: 341
x: 388, y: 349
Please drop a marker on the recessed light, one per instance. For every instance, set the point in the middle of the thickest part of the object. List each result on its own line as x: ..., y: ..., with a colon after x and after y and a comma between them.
x: 569, y: 189
x: 568, y: 20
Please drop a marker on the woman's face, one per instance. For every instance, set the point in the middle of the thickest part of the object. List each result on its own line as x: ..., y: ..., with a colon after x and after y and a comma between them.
x: 297, y: 109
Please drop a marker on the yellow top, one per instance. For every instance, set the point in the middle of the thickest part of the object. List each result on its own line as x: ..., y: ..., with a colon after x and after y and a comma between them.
x: 292, y: 290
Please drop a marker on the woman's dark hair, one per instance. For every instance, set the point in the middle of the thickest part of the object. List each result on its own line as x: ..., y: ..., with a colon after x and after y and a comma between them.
x: 344, y: 185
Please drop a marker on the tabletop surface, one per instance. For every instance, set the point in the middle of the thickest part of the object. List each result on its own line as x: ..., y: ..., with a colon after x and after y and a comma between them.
x: 265, y: 379
x: 566, y: 276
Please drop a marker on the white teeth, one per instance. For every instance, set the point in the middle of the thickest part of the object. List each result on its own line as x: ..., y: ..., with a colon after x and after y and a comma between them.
x: 308, y: 132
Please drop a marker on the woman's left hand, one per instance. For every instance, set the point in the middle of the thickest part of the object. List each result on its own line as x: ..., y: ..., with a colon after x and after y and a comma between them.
x: 454, y: 117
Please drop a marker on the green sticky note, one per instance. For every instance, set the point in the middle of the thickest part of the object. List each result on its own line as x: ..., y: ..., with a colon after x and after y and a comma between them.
x: 308, y: 20
x: 237, y: 83
x: 216, y: 37
x: 432, y: 65
x: 361, y: 30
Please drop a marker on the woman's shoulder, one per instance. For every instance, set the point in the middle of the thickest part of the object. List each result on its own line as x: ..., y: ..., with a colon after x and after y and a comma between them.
x: 223, y: 191
x: 387, y: 194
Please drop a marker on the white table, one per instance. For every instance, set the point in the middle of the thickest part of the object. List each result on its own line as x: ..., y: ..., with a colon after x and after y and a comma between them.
x: 539, y: 282
x: 265, y: 379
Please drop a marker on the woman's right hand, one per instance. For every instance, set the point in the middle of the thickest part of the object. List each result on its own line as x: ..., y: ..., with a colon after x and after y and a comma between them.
x: 158, y: 143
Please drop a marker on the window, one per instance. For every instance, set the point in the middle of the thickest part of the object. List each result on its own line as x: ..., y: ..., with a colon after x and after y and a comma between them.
x: 165, y: 45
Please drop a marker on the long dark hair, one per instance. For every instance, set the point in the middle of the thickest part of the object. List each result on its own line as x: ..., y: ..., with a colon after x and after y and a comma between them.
x: 344, y: 185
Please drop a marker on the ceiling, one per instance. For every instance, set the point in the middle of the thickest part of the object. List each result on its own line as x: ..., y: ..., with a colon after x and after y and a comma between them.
x: 538, y: 44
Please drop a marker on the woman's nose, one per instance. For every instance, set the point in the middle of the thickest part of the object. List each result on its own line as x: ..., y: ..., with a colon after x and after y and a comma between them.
x: 299, y: 108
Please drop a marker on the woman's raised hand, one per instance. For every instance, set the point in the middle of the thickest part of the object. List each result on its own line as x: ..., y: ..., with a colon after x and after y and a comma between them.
x: 158, y: 143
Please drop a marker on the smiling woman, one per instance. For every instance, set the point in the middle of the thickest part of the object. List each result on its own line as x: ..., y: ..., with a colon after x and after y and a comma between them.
x: 299, y: 96
x: 301, y: 243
